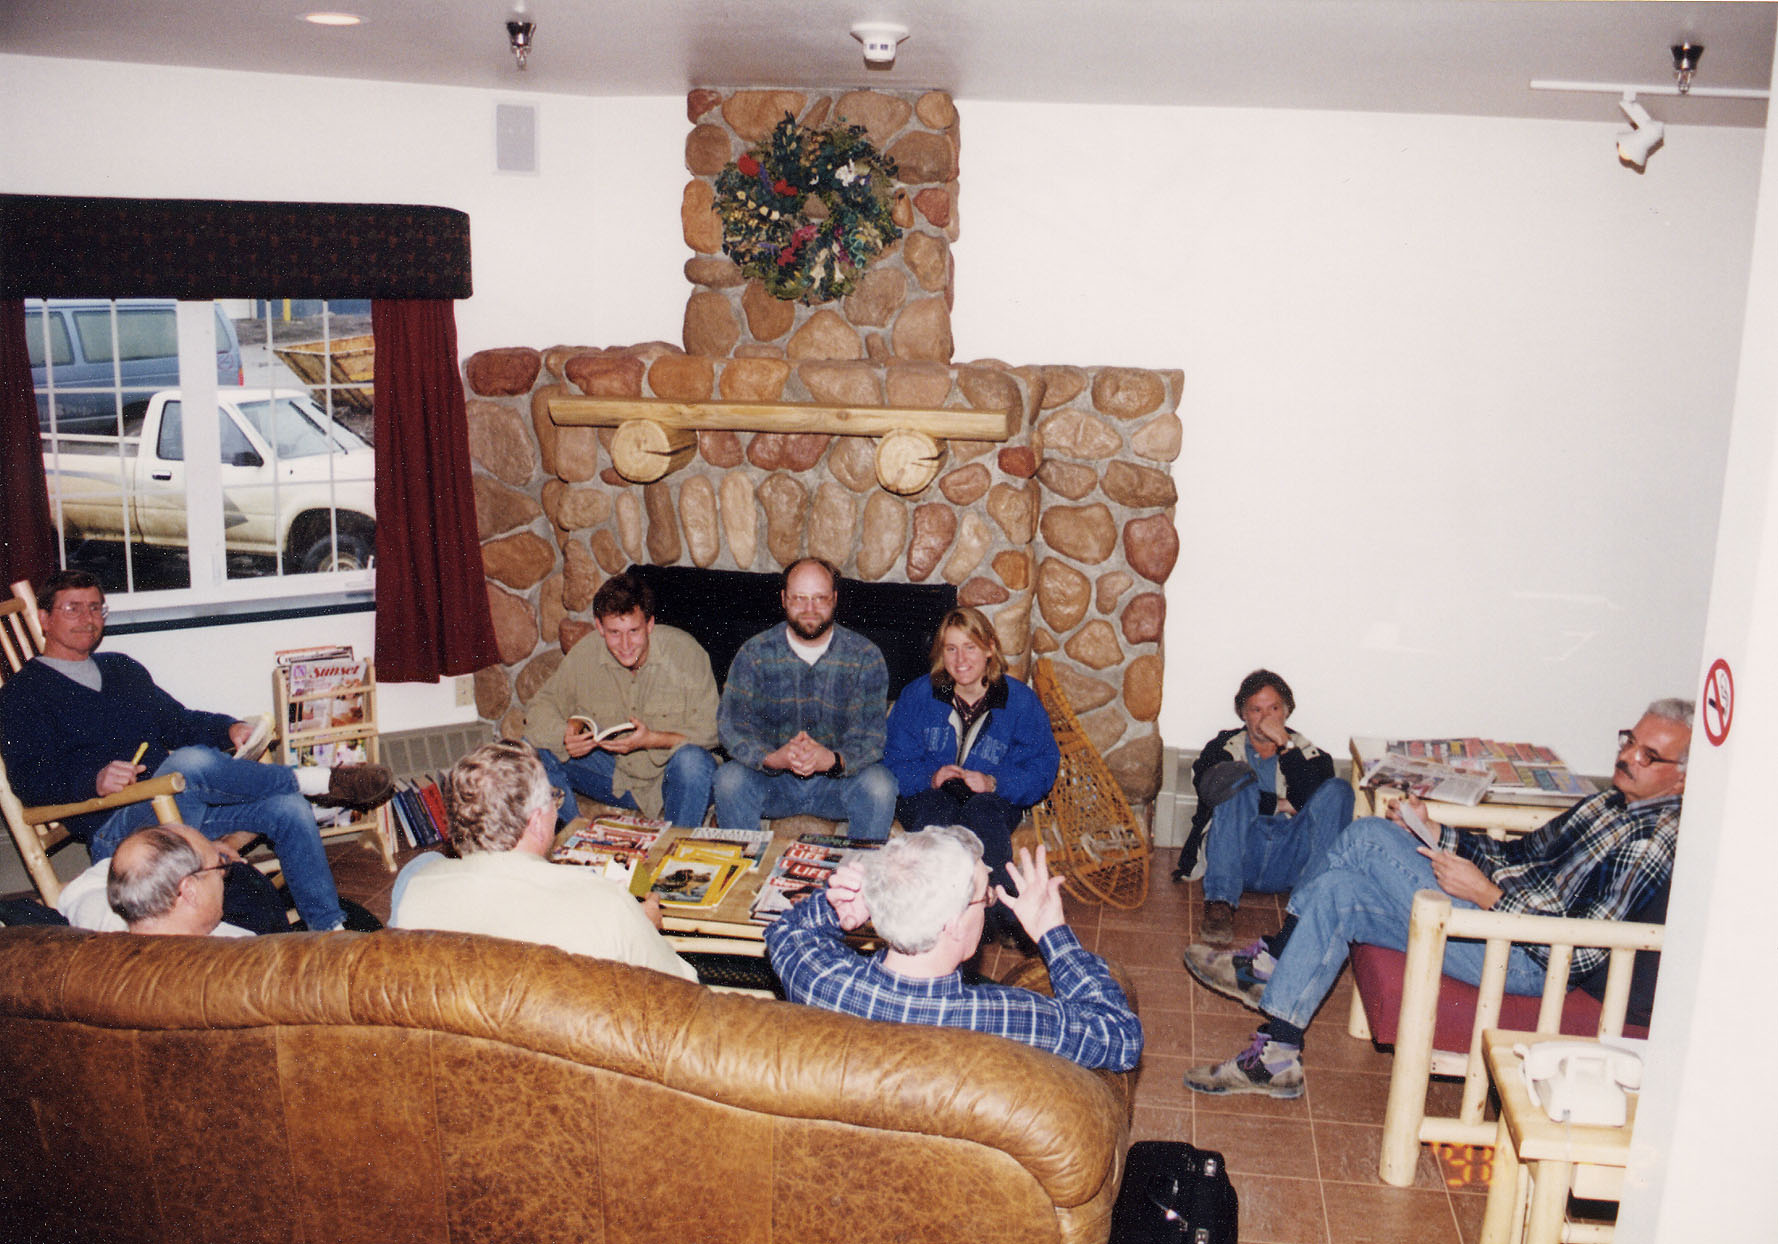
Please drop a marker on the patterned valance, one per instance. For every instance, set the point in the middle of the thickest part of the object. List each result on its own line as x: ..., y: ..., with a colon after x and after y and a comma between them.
x: 55, y: 246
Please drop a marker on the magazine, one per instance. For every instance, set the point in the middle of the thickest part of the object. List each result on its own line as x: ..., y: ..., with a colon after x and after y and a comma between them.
x: 1425, y: 779
x: 802, y: 870
x: 312, y: 709
x: 615, y: 845
x: 1516, y: 772
x: 695, y: 876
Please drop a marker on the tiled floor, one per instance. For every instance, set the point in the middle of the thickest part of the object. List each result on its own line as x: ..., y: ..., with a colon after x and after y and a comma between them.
x: 1306, y: 1170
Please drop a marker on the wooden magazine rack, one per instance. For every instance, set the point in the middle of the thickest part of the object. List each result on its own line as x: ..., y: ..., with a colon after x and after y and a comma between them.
x: 296, y: 744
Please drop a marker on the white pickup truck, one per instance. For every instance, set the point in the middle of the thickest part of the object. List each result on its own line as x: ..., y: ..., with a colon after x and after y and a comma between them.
x: 290, y: 479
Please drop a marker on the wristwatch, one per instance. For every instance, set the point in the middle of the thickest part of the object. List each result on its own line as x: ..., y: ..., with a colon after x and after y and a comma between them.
x: 838, y: 768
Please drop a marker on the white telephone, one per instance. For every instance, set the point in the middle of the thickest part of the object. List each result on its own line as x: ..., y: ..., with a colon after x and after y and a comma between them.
x: 1580, y: 1082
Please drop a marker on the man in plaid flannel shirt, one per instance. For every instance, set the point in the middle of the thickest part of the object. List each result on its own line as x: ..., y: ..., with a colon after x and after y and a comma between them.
x: 1599, y: 860
x: 926, y: 893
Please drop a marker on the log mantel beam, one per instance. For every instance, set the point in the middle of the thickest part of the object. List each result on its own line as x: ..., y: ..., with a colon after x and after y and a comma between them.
x: 606, y: 412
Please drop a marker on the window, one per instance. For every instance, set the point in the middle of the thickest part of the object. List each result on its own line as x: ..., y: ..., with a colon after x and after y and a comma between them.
x: 289, y: 477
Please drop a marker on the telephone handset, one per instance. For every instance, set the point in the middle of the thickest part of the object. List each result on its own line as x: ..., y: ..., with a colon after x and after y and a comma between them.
x: 1580, y: 1082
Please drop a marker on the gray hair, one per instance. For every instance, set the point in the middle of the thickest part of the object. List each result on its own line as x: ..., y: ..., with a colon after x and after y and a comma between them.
x: 1675, y: 710
x: 917, y: 883
x: 149, y: 890
x: 492, y: 793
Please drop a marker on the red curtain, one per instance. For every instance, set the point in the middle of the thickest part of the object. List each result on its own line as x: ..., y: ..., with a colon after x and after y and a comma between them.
x: 27, y: 537
x: 432, y: 598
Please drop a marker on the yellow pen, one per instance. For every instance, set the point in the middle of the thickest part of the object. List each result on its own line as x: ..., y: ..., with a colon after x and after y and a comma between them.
x: 137, y: 758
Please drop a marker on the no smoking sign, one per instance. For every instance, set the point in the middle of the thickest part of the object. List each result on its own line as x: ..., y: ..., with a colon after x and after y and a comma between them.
x: 1719, y: 702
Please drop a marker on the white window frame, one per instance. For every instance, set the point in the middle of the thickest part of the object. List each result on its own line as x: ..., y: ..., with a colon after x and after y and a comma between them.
x: 206, y: 548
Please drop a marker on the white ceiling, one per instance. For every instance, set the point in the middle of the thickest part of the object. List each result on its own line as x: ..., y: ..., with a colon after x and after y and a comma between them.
x: 1470, y: 57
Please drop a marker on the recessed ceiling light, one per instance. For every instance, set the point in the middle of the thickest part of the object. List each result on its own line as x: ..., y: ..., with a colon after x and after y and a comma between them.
x: 333, y: 19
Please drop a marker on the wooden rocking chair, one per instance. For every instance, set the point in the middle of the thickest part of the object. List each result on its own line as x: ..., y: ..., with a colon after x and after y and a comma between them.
x: 1095, y: 841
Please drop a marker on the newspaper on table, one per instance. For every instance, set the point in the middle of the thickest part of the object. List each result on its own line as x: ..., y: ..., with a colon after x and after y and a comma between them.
x: 1426, y: 779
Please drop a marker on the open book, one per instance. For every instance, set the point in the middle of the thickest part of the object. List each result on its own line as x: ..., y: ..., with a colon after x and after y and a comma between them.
x: 588, y: 726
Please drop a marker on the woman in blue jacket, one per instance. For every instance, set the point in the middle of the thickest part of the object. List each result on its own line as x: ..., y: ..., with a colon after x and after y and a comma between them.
x: 968, y: 745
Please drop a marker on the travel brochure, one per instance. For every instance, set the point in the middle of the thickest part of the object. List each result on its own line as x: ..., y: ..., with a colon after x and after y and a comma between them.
x: 1467, y: 770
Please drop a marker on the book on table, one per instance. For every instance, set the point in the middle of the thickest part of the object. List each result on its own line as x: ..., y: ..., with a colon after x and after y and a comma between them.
x: 803, y: 870
x: 588, y: 726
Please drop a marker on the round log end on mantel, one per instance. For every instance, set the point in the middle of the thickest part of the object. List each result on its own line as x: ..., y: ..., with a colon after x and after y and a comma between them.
x: 643, y: 451
x: 908, y: 461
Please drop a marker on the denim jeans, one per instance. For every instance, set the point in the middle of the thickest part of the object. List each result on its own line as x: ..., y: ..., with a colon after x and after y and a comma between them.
x: 1364, y: 895
x: 222, y: 796
x: 1274, y: 853
x: 685, y: 791
x: 988, y: 816
x: 865, y: 799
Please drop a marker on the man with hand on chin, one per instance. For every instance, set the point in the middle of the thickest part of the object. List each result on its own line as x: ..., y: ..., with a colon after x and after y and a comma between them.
x: 802, y: 717
x: 1600, y: 860
x: 925, y: 893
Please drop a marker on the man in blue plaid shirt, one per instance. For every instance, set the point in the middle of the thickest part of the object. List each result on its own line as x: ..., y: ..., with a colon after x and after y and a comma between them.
x: 1598, y: 861
x: 926, y: 893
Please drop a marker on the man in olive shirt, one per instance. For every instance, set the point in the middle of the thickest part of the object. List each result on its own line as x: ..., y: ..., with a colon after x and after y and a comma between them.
x: 656, y: 678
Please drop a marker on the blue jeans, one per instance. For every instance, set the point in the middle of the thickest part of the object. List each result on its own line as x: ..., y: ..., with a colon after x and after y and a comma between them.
x: 223, y: 796
x: 988, y: 816
x: 1364, y: 895
x: 1274, y: 853
x: 685, y: 790
x: 865, y: 799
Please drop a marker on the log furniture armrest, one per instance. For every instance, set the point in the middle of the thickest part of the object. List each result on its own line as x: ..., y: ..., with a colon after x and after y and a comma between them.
x: 154, y: 789
x: 1434, y: 920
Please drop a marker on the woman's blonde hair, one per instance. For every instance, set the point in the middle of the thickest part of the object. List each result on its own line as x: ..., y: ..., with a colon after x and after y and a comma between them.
x: 973, y: 623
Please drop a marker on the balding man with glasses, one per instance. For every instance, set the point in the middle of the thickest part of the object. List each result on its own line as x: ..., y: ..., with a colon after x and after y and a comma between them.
x: 1600, y: 860
x: 167, y: 879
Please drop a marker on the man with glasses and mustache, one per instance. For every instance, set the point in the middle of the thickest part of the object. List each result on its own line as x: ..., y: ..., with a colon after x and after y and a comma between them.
x: 803, y: 717
x: 1603, y: 859
x: 926, y: 894
x: 168, y: 879
x: 76, y: 723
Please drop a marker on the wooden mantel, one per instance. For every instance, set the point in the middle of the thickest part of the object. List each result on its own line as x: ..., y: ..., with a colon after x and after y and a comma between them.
x: 656, y: 436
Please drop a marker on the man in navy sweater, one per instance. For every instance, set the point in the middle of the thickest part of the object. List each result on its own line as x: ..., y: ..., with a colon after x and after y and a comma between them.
x: 74, y: 725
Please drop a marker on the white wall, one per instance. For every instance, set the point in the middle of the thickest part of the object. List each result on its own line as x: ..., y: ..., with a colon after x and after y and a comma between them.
x: 1456, y: 394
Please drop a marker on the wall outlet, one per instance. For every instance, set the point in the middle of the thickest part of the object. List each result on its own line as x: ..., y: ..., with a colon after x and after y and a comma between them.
x: 465, y: 690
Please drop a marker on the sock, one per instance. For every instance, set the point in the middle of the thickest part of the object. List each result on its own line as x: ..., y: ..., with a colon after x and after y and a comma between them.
x: 1275, y: 943
x: 312, y: 780
x: 1282, y: 1032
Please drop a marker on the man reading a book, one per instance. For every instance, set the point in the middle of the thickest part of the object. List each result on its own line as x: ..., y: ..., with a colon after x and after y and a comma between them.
x: 1600, y: 860
x: 75, y: 725
x: 925, y: 893
x: 655, y: 679
x: 502, y: 813
x: 803, y: 717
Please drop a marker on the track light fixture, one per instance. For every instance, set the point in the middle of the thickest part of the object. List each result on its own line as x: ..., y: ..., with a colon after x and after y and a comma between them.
x: 519, y: 29
x: 1685, y: 64
x: 1635, y: 144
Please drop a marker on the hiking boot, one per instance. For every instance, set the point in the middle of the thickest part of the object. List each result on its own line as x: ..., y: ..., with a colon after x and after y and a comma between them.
x: 1266, y: 1066
x: 1219, y: 922
x: 1239, y: 974
x: 361, y: 787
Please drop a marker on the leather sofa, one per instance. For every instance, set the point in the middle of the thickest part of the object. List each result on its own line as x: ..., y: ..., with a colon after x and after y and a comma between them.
x: 415, y: 1086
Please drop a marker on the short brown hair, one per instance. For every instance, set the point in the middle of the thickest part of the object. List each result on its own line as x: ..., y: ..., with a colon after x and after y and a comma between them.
x: 623, y: 594
x: 1258, y: 681
x: 492, y: 793
x: 973, y: 623
x: 64, y: 581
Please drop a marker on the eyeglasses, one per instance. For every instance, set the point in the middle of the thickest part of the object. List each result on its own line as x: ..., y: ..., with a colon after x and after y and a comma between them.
x: 217, y: 867
x: 74, y: 608
x: 1643, y: 755
x: 986, y: 900
x: 803, y: 602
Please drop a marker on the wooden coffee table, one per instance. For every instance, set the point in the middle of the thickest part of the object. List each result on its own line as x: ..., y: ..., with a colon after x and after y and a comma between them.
x: 1496, y: 817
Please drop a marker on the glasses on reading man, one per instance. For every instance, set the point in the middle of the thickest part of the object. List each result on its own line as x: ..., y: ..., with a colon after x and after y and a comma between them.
x: 1640, y: 754
x: 74, y: 608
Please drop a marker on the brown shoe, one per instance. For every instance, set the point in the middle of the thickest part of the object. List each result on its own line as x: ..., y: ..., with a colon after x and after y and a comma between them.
x: 1219, y: 923
x: 360, y: 787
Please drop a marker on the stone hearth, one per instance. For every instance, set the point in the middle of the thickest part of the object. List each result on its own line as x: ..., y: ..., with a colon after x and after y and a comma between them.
x: 1063, y: 534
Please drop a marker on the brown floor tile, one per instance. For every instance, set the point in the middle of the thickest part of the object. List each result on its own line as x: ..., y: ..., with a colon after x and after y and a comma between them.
x: 1162, y: 1084
x: 1136, y: 948
x: 1161, y: 1123
x: 1348, y: 1096
x: 1330, y: 1048
x: 1280, y: 1147
x: 1468, y: 1210
x: 1216, y: 1037
x: 1167, y: 1032
x: 1348, y: 1153
x: 1281, y: 1211
x: 1383, y: 1215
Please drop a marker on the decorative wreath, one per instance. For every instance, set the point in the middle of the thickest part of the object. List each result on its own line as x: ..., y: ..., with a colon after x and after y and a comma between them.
x: 807, y: 210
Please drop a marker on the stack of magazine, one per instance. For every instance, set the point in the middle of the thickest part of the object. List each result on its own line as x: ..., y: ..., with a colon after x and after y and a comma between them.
x: 1467, y: 770
x: 803, y: 870
x: 614, y: 845
x: 695, y: 875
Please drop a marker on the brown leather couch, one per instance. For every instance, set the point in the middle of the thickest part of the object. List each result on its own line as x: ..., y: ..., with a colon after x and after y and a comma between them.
x: 403, y: 1086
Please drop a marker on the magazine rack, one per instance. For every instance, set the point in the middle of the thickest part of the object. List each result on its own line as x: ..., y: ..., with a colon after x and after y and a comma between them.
x: 1095, y: 841
x: 297, y: 744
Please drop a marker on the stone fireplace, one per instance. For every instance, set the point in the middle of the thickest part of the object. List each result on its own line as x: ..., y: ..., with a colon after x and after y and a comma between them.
x: 1060, y: 528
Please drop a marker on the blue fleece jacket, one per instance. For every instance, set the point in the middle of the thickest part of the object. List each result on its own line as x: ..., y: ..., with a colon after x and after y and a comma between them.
x: 1012, y: 741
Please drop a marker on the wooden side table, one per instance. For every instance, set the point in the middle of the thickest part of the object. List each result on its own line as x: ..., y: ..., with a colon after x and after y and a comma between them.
x: 1496, y: 819
x: 1552, y: 1157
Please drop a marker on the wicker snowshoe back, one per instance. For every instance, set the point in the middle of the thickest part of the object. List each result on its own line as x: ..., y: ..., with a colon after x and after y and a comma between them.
x: 1095, y: 841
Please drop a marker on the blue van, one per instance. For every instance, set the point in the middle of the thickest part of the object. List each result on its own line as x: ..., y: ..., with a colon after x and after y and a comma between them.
x: 79, y: 372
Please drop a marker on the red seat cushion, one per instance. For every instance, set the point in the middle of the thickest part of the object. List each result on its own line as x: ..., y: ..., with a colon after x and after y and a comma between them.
x: 1378, y: 973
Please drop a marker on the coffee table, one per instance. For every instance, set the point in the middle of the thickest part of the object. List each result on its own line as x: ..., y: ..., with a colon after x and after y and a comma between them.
x: 1498, y: 818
